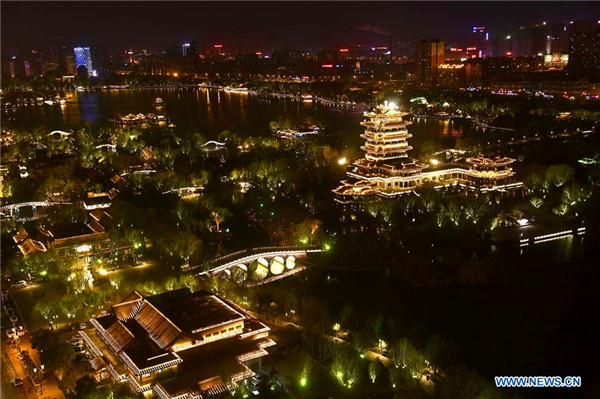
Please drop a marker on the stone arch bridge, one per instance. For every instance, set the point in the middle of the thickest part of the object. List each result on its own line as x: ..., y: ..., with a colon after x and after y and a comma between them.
x: 256, y: 265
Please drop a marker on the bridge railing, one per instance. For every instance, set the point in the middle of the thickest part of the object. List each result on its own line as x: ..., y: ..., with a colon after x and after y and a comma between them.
x: 248, y: 255
x: 255, y: 251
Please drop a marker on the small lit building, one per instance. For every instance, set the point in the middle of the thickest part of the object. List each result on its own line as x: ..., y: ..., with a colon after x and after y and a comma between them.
x: 177, y: 344
x: 79, y: 238
x: 101, y: 201
x: 387, y: 171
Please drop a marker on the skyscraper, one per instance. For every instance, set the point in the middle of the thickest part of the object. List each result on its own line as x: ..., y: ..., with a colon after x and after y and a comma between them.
x: 83, y: 57
x: 480, y: 39
x: 189, y: 49
x: 49, y: 61
x: 430, y: 55
x: 66, y: 61
x: 584, y: 48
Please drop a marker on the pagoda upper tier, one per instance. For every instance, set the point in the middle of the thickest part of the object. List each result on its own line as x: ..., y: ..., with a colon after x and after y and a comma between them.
x: 385, y: 134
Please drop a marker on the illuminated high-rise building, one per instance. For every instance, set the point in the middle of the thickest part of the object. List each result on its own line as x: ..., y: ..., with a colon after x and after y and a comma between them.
x: 480, y: 39
x: 189, y: 49
x: 584, y: 47
x: 539, y: 39
x: 430, y: 55
x: 83, y: 57
x: 48, y: 60
x: 66, y: 61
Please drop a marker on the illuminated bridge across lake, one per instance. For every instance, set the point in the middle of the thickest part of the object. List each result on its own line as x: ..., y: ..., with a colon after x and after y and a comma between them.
x: 12, y: 210
x: 258, y: 265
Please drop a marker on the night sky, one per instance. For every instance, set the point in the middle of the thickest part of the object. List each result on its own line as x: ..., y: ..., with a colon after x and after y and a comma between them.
x: 265, y: 25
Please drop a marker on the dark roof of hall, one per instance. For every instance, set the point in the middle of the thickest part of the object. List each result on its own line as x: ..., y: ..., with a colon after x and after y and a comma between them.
x: 194, y: 311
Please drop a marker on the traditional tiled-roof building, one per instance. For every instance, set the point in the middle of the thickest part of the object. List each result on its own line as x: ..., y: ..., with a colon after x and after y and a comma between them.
x: 387, y: 170
x: 179, y: 344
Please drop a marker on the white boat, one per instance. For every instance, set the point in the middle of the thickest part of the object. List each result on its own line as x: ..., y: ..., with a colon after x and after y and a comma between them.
x: 294, y: 134
x: 230, y: 89
x: 159, y: 102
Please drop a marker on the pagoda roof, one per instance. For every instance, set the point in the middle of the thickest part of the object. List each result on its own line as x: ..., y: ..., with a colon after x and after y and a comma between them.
x: 483, y: 160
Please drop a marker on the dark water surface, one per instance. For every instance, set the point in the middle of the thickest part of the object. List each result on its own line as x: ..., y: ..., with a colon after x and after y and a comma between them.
x: 543, y: 320
x: 209, y: 111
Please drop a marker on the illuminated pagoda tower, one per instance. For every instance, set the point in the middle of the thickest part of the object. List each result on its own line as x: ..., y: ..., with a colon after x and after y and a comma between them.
x: 387, y: 170
x: 386, y: 167
x: 385, y: 134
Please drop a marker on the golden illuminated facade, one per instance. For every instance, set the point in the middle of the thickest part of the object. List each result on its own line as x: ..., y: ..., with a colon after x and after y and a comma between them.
x: 387, y: 171
x: 177, y: 344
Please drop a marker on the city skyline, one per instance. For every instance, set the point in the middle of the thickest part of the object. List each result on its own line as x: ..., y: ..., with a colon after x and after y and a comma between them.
x: 298, y: 24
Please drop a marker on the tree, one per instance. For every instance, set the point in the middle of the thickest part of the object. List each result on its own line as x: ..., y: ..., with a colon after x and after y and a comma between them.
x: 476, y: 208
x: 383, y: 209
x: 428, y: 196
x: 461, y: 382
x: 398, y: 352
x: 305, y: 231
x: 224, y: 135
x: 218, y: 214
x: 405, y: 355
x: 57, y: 357
x: 70, y: 374
x: 80, y: 280
x: 439, y: 351
x: 536, y: 202
x: 85, y: 386
x: 560, y: 174
x: 574, y: 193
x: 47, y: 310
x: 44, y: 338
x: 345, y: 365
x: 70, y: 305
x: 269, y: 382
x: 375, y: 369
x: 534, y: 181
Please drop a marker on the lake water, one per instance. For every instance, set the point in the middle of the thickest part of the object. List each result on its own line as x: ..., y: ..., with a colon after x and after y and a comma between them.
x: 210, y: 111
